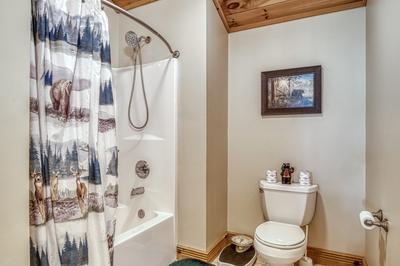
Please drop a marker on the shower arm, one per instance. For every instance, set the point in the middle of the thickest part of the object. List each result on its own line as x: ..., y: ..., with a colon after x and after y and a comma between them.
x: 175, y: 54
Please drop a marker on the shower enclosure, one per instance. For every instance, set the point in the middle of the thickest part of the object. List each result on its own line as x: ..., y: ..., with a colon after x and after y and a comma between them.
x: 145, y: 232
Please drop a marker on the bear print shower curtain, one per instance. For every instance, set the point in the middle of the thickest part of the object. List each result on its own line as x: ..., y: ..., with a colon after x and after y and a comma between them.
x: 73, y: 153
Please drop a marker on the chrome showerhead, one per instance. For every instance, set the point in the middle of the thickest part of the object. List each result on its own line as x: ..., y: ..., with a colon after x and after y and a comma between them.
x: 132, y: 39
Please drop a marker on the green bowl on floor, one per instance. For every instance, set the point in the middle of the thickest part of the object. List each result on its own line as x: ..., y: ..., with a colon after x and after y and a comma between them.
x: 189, y: 262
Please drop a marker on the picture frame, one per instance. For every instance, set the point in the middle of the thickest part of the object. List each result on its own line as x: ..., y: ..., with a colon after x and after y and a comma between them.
x: 291, y: 91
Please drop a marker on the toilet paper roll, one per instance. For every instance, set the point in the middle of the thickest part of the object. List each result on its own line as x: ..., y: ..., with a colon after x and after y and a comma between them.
x: 364, y: 216
x: 270, y: 173
x: 305, y: 174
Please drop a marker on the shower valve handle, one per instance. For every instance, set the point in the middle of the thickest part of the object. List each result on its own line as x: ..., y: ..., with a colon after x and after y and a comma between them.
x: 142, y: 169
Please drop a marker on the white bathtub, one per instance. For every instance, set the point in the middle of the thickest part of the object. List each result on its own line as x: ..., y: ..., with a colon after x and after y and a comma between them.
x: 144, y: 242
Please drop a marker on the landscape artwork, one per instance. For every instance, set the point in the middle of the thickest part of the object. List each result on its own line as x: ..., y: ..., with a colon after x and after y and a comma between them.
x: 291, y: 91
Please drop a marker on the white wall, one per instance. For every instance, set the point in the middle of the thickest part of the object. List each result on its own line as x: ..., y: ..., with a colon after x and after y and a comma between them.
x: 331, y: 145
x: 14, y: 136
x: 217, y: 126
x: 383, y: 128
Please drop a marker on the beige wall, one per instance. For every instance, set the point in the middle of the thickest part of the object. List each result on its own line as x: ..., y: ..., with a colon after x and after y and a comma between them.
x: 383, y: 128
x: 331, y: 145
x: 194, y: 28
x: 217, y: 126
x: 14, y: 136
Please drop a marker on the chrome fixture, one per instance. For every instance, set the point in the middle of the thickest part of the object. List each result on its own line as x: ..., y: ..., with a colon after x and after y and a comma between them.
x: 136, y: 43
x: 378, y: 215
x: 141, y: 214
x: 137, y: 191
x: 175, y: 54
x: 142, y: 169
x: 380, y: 221
x: 382, y: 224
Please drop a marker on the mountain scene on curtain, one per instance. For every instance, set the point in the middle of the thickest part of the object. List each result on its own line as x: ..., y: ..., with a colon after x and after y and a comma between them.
x: 57, y: 73
x: 38, y: 256
x: 82, y: 33
x: 73, y: 169
x: 111, y: 192
x: 62, y: 184
x: 74, y: 252
x: 106, y: 94
x: 69, y: 114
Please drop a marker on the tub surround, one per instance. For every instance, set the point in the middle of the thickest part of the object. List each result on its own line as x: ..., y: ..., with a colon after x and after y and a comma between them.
x: 146, y: 222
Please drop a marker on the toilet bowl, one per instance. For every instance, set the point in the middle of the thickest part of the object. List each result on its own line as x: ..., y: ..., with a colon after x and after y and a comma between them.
x: 279, y: 243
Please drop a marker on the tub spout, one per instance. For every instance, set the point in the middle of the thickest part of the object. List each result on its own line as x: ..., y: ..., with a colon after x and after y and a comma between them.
x: 137, y: 191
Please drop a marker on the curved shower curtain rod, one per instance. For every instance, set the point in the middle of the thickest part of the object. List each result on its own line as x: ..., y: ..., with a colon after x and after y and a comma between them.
x: 175, y: 54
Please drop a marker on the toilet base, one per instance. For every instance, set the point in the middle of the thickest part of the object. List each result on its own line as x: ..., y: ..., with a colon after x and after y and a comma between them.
x: 279, y: 257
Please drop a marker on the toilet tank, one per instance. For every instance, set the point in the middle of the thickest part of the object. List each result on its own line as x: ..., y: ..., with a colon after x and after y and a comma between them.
x: 292, y: 204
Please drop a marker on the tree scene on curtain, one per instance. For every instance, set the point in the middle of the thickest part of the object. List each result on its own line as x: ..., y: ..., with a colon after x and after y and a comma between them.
x: 73, y: 150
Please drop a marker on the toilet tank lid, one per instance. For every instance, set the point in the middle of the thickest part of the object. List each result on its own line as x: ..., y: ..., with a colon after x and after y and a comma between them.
x: 294, y: 187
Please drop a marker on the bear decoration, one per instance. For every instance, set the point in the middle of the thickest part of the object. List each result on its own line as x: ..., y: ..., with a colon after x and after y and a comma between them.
x: 59, y: 95
x: 286, y: 173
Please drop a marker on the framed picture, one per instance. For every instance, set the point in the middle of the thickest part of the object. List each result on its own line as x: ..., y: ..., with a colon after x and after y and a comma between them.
x: 291, y: 91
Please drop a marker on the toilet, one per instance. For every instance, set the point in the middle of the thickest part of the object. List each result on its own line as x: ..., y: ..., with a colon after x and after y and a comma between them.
x: 280, y: 241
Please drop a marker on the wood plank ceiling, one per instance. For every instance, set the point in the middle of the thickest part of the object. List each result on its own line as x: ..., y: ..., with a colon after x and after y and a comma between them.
x: 129, y: 4
x: 240, y: 15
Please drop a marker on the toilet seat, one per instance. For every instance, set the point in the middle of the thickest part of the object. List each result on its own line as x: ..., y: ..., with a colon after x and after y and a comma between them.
x: 280, y: 235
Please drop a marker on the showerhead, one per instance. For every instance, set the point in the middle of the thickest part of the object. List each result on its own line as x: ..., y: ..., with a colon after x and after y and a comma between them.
x: 132, y: 39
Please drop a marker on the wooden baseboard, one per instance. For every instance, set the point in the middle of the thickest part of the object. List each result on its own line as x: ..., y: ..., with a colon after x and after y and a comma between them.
x: 318, y: 255
x: 183, y: 252
x: 333, y: 258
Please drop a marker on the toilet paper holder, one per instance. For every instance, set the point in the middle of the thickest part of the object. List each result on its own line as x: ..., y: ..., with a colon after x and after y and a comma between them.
x: 381, y: 222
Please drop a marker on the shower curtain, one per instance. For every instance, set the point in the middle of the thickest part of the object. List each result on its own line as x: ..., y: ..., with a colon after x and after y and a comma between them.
x: 73, y: 153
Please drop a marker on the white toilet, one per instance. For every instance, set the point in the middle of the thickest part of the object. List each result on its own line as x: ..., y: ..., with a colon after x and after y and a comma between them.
x: 280, y: 241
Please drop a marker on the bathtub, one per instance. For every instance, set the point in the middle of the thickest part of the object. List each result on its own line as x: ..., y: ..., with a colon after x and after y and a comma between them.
x: 144, y: 242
